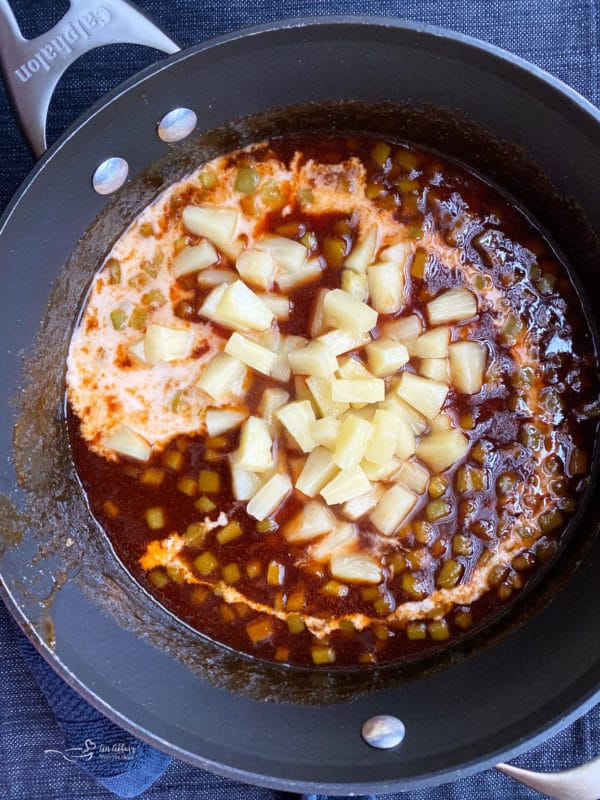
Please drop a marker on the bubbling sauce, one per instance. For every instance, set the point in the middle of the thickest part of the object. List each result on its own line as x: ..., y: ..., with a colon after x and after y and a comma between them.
x: 327, y: 399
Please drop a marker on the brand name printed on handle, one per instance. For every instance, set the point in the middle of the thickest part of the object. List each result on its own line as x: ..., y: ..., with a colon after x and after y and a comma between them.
x: 63, y: 43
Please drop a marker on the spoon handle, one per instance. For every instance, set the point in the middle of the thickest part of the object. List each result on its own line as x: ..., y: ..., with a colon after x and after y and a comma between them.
x: 581, y: 783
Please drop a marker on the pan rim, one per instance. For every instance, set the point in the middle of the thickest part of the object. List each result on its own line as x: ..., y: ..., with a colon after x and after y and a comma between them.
x: 554, y: 726
x: 527, y: 68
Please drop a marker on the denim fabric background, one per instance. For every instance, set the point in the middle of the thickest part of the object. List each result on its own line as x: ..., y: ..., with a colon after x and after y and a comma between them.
x: 560, y: 36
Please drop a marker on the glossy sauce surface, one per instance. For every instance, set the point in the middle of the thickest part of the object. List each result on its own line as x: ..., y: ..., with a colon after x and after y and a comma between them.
x: 479, y: 530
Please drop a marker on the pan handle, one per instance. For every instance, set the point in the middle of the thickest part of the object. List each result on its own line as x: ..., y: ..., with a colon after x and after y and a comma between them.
x: 581, y: 783
x: 32, y: 68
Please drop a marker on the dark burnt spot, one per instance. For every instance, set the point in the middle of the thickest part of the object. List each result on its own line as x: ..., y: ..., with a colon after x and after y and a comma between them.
x: 200, y: 350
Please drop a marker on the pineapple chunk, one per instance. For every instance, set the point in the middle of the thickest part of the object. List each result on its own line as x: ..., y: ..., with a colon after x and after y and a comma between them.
x: 413, y: 476
x: 221, y: 420
x: 356, y: 568
x: 255, y: 452
x: 318, y: 470
x: 425, y: 395
x: 314, y: 520
x: 370, y: 390
x: 279, y: 305
x: 366, y: 412
x: 193, y: 259
x: 452, y: 305
x: 289, y: 281
x: 352, y: 443
x: 442, y: 449
x: 397, y: 406
x: 385, y: 357
x: 351, y: 369
x: 271, y: 400
x: 317, y: 322
x: 443, y: 422
x: 357, y: 508
x: 217, y: 224
x: 210, y: 278
x: 382, y: 443
x: 406, y: 443
x: 208, y: 308
x: 271, y: 338
x: 314, y: 359
x: 256, y: 268
x: 355, y: 284
x: 435, y: 368
x: 166, y: 344
x: 137, y: 350
x: 346, y: 486
x: 467, y: 365
x: 269, y: 497
x: 398, y: 253
x: 302, y: 392
x: 241, y: 309
x: 339, y: 341
x: 126, y: 442
x: 393, y: 508
x: 396, y: 425
x: 404, y: 328
x: 288, y: 344
x: 320, y: 389
x: 411, y: 346
x: 289, y: 255
x: 250, y: 353
x: 363, y: 252
x: 223, y: 375
x: 341, y: 541
x: 434, y: 343
x: 386, y: 287
x: 326, y: 432
x: 244, y: 484
x: 381, y: 472
x: 298, y: 419
x: 342, y: 310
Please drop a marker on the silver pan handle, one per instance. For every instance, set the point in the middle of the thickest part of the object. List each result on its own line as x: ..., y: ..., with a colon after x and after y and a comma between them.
x: 581, y: 783
x: 32, y: 68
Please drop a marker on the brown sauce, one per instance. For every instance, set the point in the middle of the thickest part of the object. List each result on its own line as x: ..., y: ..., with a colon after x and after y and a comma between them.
x: 517, y: 467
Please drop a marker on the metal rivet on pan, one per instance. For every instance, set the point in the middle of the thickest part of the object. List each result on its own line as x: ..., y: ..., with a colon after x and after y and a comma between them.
x: 383, y: 731
x: 177, y: 124
x: 110, y: 175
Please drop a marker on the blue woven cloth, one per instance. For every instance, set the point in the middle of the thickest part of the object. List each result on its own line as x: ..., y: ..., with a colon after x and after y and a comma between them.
x: 54, y: 745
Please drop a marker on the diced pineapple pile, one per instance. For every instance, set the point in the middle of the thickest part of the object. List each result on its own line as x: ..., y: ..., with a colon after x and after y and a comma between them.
x: 353, y: 421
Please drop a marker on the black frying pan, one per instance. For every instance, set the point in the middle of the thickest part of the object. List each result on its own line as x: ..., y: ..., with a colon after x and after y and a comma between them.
x: 474, y: 705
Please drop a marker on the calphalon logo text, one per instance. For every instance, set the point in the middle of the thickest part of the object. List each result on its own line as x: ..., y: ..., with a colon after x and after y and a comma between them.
x: 64, y: 42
